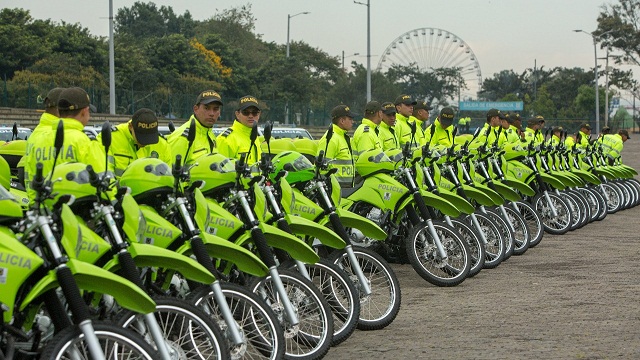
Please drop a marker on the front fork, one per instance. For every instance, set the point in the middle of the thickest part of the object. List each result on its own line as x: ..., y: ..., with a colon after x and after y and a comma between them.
x: 203, y: 258
x: 355, y: 265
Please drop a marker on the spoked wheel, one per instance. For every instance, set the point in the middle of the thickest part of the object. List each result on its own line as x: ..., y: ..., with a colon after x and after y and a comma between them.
x: 494, y: 246
x: 553, y: 224
x: 188, y: 331
x: 339, y: 291
x: 612, y: 197
x: 258, y: 324
x: 476, y: 247
x: 594, y: 204
x: 116, y: 343
x: 380, y: 308
x: 577, y: 213
x: 311, y: 337
x: 533, y: 220
x: 521, y: 236
x: 505, y: 231
x: 424, y: 254
x: 595, y: 190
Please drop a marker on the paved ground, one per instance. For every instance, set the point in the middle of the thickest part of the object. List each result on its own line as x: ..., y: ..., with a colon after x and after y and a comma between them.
x: 574, y: 296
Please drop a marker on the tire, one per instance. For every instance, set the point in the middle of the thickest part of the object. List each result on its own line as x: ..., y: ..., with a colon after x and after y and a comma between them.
x: 423, y: 254
x: 339, y: 291
x: 627, y: 197
x: 380, y: 308
x: 593, y: 203
x: 505, y: 232
x: 612, y: 198
x: 521, y: 236
x: 311, y: 338
x: 189, y: 332
x: 584, y: 206
x: 258, y: 324
x: 533, y: 220
x: 555, y: 225
x: 603, y: 202
x: 116, y: 342
x: 494, y: 247
x: 476, y: 247
x: 577, y: 212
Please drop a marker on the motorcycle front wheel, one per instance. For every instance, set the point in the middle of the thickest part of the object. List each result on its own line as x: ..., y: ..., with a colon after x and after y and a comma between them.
x: 116, y: 343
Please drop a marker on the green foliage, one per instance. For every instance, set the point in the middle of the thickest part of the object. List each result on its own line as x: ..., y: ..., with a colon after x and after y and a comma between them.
x: 619, y: 28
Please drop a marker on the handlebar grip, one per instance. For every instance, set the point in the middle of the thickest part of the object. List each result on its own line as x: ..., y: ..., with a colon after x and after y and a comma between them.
x: 93, y: 177
x: 38, y: 177
x: 319, y: 158
x: 178, y: 161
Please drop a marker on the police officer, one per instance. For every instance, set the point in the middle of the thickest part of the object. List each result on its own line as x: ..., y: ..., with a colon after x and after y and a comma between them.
x: 404, y: 108
x: 48, y: 121
x: 206, y: 112
x: 420, y: 117
x: 613, y: 144
x: 73, y: 107
x: 443, y: 133
x: 137, y: 138
x: 387, y: 133
x: 555, y: 136
x: 236, y: 139
x: 513, y: 132
x: 582, y: 139
x: 338, y: 149
x: 534, y: 124
x: 494, y: 117
x: 366, y: 135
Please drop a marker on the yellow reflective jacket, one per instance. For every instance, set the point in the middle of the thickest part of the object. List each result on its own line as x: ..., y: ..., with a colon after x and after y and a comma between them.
x: 440, y: 136
x: 584, y: 140
x: 47, y: 122
x: 387, y: 136
x: 124, y: 149
x: 203, y: 144
x: 77, y: 147
x: 512, y: 135
x: 236, y: 140
x: 365, y: 138
x: 420, y: 134
x: 403, y: 130
x: 612, y: 145
x: 339, y: 151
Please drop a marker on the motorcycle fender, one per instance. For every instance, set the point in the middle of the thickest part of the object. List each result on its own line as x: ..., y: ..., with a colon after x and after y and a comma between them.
x: 298, y: 249
x: 367, y: 227
x: 506, y: 192
x: 92, y: 278
x: 551, y: 180
x: 302, y: 226
x: 220, y: 248
x: 587, y: 176
x: 495, y: 197
x: 477, y: 195
x: 458, y: 201
x: 152, y: 256
x: 566, y: 180
x: 630, y: 169
x: 519, y: 185
x: 440, y: 203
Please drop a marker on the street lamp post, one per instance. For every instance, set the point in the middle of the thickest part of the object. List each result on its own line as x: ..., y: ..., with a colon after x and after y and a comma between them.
x: 286, y: 116
x: 368, y: 5
x: 595, y: 70
x: 346, y: 57
x: 112, y: 76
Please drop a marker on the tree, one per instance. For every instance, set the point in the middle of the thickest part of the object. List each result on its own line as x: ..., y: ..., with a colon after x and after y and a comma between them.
x: 619, y: 28
x: 503, y: 83
x: 146, y: 20
x: 438, y: 87
x: 20, y: 45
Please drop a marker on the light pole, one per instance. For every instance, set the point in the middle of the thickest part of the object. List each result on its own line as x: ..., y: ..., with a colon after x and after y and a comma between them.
x: 286, y: 110
x: 368, y: 5
x: 289, y: 26
x: 595, y: 70
x: 346, y: 57
x: 112, y: 76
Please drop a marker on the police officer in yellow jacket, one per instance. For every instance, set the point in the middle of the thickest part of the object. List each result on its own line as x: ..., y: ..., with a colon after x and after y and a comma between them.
x: 236, y: 141
x: 73, y: 106
x: 613, y: 144
x: 48, y: 121
x: 404, y: 108
x: 387, y: 132
x: 513, y: 132
x: 365, y: 137
x: 206, y: 112
x: 137, y: 138
x: 533, y: 133
x: 338, y: 149
x: 443, y: 132
x: 582, y: 139
x: 420, y: 117
x: 489, y: 131
x: 556, y: 132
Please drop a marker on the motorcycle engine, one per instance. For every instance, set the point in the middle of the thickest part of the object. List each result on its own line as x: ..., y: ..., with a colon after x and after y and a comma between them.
x: 358, y: 238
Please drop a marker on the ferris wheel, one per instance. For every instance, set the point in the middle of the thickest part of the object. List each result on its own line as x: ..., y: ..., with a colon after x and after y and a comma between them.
x: 431, y: 48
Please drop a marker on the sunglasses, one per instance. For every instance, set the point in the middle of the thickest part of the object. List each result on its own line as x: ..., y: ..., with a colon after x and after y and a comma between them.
x: 250, y: 112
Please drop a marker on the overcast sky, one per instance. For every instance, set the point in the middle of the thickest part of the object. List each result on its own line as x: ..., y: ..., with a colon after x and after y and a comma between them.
x: 503, y: 34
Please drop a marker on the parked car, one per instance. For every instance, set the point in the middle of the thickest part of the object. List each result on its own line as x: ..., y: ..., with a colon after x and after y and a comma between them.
x: 6, y: 133
x: 291, y: 133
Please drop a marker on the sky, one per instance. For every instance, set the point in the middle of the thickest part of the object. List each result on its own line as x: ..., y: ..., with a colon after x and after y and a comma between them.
x: 503, y: 34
